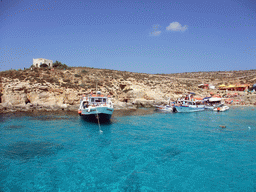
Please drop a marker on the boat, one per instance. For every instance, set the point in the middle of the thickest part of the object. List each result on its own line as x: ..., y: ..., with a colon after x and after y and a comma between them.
x: 212, y: 102
x: 221, y: 108
x: 96, y: 107
x: 189, y: 106
x: 166, y: 108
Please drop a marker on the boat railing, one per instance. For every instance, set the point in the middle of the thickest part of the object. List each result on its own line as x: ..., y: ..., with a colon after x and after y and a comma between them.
x: 100, y: 104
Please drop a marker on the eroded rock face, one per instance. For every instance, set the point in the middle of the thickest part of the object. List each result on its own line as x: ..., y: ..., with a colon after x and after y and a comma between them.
x: 72, y: 98
x: 13, y: 99
x: 144, y: 102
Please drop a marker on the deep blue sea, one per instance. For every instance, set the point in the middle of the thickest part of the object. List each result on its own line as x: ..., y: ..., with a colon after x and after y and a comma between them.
x: 138, y: 151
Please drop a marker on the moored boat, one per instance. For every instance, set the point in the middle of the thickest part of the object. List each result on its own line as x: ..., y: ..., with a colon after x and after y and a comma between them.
x: 93, y: 107
x: 189, y: 106
x: 212, y: 102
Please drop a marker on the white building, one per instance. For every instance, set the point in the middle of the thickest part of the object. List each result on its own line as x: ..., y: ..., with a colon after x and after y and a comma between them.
x: 38, y: 62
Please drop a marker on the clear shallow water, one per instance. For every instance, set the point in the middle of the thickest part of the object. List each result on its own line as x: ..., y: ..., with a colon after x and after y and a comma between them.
x: 153, y: 152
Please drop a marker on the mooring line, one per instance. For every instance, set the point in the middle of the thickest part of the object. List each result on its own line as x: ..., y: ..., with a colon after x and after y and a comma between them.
x: 99, y: 121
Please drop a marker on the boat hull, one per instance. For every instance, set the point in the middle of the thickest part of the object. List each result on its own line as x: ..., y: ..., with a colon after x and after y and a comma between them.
x: 221, y: 109
x: 93, y: 113
x: 207, y: 107
x: 94, y: 117
x: 190, y: 108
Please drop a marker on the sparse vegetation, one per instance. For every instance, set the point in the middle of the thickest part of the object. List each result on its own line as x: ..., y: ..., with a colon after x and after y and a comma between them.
x: 109, y: 79
x: 59, y: 65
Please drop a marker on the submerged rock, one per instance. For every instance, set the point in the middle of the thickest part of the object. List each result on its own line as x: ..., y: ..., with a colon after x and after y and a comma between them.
x: 29, y: 150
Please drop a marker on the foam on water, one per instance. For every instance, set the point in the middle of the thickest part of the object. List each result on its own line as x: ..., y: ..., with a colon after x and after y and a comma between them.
x: 153, y: 152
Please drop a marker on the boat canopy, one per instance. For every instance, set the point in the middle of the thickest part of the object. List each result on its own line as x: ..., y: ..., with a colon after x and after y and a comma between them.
x: 213, y: 99
x: 98, y: 99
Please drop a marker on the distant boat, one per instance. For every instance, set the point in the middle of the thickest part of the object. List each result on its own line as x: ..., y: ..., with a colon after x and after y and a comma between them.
x: 93, y: 107
x: 189, y: 106
x: 163, y: 108
x: 212, y: 102
x: 221, y: 108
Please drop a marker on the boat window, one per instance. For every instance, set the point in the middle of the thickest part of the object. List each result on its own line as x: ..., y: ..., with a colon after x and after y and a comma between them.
x: 104, y: 100
x: 98, y: 100
x: 92, y: 99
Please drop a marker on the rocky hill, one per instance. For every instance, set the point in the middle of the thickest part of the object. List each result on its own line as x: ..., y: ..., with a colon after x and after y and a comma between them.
x: 47, y: 89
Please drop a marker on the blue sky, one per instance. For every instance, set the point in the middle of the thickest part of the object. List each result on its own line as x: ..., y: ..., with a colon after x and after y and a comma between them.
x: 162, y: 36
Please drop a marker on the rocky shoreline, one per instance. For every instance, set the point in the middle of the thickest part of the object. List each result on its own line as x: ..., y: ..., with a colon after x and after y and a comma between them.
x: 29, y: 107
x: 61, y: 90
x: 73, y: 108
x: 62, y: 114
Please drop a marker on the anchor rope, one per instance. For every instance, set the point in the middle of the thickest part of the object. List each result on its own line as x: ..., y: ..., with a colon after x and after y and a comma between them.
x: 99, y: 121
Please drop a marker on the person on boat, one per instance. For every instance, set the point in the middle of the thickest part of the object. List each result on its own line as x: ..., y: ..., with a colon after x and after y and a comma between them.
x: 85, y: 104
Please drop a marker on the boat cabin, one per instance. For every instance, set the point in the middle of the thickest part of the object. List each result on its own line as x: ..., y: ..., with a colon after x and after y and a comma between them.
x: 188, y: 102
x: 194, y: 103
x: 98, y: 100
x: 95, y: 100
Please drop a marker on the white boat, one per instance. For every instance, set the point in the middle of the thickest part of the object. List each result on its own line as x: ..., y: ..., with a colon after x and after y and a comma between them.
x: 163, y: 108
x: 93, y: 107
x: 190, y: 106
x: 212, y: 102
x: 221, y: 108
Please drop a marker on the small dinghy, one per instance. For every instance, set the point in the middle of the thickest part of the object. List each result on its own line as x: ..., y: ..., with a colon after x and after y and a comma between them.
x: 166, y: 108
x: 221, y: 108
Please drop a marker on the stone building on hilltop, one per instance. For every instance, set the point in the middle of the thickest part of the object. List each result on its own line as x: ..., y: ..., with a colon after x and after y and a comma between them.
x: 40, y: 62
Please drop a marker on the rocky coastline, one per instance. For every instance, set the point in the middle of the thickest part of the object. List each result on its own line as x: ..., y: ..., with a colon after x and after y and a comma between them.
x: 44, y: 89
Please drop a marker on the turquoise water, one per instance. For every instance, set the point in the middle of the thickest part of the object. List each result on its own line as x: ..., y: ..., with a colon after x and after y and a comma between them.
x: 152, y: 152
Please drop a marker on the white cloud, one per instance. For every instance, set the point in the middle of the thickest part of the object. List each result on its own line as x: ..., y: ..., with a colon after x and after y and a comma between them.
x: 155, y: 33
x: 176, y: 26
